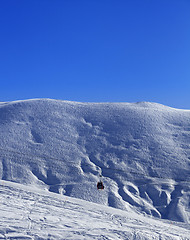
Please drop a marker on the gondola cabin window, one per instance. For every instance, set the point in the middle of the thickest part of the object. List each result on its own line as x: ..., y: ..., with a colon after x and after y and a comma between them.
x: 100, y: 185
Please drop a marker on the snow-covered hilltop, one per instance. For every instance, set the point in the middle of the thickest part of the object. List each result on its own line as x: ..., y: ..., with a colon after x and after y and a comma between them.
x: 141, y: 150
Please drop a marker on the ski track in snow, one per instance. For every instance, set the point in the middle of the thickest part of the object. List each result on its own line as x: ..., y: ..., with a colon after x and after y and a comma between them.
x: 30, y: 213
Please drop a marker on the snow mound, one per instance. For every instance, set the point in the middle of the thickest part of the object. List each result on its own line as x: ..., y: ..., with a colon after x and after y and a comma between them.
x: 140, y: 149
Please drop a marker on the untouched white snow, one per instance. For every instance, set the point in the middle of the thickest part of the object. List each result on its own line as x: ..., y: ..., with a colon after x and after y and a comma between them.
x: 140, y: 149
x: 28, y: 213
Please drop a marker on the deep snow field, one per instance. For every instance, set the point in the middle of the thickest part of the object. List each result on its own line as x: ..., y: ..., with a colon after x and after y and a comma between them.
x: 140, y: 149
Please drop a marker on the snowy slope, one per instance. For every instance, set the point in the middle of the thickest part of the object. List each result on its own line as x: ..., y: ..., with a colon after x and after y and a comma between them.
x: 28, y: 213
x: 141, y: 150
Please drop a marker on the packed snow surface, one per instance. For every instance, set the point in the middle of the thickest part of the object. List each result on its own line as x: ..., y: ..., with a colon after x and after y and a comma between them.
x: 140, y: 149
x: 28, y: 213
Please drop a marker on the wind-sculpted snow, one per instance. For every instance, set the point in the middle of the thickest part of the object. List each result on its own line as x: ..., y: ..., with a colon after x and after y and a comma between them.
x: 140, y: 149
x: 29, y: 213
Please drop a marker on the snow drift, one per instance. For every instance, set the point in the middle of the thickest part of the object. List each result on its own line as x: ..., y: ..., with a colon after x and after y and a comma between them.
x: 141, y: 150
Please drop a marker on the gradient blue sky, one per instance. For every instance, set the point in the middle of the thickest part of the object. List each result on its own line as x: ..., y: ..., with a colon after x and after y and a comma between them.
x: 96, y: 50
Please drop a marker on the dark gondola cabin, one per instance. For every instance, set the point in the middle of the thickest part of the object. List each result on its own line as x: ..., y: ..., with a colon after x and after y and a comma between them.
x: 100, y: 185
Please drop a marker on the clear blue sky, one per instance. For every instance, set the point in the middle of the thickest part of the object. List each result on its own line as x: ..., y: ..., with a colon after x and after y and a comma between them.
x: 96, y: 50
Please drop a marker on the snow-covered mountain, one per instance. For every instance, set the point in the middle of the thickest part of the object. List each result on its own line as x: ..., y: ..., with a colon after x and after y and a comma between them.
x: 140, y: 149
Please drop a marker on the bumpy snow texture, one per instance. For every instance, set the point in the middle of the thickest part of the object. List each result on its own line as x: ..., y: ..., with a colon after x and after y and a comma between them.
x: 140, y: 149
